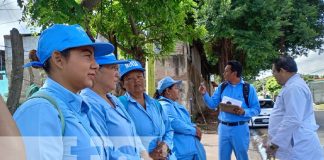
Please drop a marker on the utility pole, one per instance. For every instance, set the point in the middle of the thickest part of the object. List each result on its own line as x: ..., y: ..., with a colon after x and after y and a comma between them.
x: 16, y: 77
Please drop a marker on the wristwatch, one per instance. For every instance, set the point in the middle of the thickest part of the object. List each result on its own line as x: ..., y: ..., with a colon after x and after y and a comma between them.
x: 273, y: 146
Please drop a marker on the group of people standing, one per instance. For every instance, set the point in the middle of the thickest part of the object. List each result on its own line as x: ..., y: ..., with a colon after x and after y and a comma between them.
x: 75, y: 116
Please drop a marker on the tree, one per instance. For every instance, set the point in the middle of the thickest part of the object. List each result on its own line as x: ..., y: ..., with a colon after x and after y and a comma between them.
x: 129, y: 24
x: 256, y: 31
x: 16, y: 76
x: 272, y: 86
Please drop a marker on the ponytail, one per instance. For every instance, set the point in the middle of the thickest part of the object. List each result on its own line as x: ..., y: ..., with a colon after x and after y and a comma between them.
x: 156, y: 95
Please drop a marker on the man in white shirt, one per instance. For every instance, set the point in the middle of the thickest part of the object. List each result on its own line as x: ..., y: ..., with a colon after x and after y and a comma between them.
x: 292, y: 127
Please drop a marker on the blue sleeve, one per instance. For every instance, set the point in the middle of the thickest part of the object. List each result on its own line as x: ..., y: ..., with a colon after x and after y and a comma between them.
x: 39, y: 118
x: 177, y: 124
x: 168, y: 136
x: 115, y: 153
x: 212, y: 102
x: 254, y: 105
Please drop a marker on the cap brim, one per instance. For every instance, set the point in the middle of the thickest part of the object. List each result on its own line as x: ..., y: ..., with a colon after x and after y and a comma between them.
x: 137, y: 69
x: 101, y: 49
x: 33, y: 63
x: 104, y: 62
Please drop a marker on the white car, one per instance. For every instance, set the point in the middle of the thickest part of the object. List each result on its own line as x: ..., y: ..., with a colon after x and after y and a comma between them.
x: 262, y: 120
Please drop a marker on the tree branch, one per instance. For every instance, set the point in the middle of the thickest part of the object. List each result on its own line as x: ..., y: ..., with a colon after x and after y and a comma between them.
x: 90, y: 4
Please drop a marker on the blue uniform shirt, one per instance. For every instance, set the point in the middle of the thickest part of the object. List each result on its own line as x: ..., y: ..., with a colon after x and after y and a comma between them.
x: 236, y: 92
x: 115, y: 123
x: 184, y: 131
x: 151, y: 124
x: 39, y: 124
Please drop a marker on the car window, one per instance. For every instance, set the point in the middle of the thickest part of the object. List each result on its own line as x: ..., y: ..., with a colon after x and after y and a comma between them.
x: 266, y: 103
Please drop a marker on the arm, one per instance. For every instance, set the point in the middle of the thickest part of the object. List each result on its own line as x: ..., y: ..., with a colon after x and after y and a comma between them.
x: 177, y: 124
x: 254, y: 106
x: 168, y: 136
x: 39, y: 123
x: 294, y: 99
x: 11, y: 145
x: 213, y: 101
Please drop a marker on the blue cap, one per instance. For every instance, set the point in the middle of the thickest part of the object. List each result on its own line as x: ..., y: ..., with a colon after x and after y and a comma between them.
x: 131, y: 66
x: 60, y: 37
x: 109, y: 59
x: 165, y: 83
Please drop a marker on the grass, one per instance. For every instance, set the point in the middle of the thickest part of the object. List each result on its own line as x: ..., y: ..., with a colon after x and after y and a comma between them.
x: 319, y: 107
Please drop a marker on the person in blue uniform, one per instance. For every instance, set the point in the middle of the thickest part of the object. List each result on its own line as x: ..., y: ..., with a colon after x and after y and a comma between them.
x: 152, y: 125
x: 233, y: 129
x: 110, y: 114
x: 187, y: 135
x: 61, y: 126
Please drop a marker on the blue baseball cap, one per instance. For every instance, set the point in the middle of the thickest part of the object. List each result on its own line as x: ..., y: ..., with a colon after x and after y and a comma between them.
x: 165, y: 83
x: 131, y: 66
x: 60, y: 37
x: 109, y: 59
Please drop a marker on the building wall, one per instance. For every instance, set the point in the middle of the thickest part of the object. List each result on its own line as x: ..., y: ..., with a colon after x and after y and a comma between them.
x: 317, y: 88
x: 184, y: 64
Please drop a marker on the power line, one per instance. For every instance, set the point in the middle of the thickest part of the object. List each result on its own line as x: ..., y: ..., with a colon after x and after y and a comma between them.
x: 10, y: 9
x: 9, y: 22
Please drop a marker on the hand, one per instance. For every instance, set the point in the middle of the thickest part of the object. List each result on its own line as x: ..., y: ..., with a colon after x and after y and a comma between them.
x: 145, y: 155
x: 271, y: 150
x: 239, y: 111
x: 202, y: 88
x: 160, y: 152
x: 198, y: 133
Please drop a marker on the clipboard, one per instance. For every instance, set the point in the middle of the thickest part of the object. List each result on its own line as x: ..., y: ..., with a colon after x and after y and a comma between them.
x: 229, y: 108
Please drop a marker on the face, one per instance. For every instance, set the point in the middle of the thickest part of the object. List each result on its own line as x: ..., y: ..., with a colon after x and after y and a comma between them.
x: 107, y: 77
x: 79, y: 68
x: 173, y: 92
x: 134, y: 82
x: 278, y: 75
x: 228, y: 74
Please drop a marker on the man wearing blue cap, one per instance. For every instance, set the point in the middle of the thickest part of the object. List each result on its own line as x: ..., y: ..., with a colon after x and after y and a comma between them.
x: 150, y: 121
x: 110, y: 113
x: 55, y: 123
x: 187, y: 135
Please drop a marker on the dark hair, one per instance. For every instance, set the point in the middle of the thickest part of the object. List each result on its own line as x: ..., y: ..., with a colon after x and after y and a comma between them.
x: 33, y: 57
x: 285, y: 62
x: 157, y: 95
x: 235, y: 67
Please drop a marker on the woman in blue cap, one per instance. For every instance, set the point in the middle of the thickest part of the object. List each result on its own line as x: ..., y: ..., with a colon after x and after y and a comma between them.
x: 110, y: 114
x: 150, y: 121
x: 187, y: 135
x: 55, y: 123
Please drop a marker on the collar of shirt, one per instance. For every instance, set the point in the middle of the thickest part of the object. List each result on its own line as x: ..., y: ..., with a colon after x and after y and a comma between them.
x: 64, y: 94
x: 241, y: 82
x: 292, y: 79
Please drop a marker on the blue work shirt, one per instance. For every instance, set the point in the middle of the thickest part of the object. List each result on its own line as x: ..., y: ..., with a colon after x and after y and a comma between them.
x: 236, y: 92
x: 39, y: 123
x: 184, y: 131
x: 116, y: 124
x: 152, y: 125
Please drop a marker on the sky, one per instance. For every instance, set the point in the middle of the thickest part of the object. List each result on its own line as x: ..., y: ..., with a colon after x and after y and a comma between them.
x: 10, y: 14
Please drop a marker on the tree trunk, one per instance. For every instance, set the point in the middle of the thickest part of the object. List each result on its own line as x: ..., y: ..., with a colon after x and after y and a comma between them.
x: 16, y: 77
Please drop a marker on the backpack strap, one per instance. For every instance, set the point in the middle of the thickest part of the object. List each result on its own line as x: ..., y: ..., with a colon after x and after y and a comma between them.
x: 40, y: 94
x: 124, y: 101
x: 246, y: 91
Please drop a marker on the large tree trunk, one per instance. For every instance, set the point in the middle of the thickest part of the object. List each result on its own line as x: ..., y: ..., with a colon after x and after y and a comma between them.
x: 16, y: 77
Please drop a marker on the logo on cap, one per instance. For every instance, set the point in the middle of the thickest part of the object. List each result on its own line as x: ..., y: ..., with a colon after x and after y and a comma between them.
x: 131, y: 64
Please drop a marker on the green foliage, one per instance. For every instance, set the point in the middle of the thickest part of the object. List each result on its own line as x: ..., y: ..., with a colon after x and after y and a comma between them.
x: 255, y: 31
x: 128, y: 24
x: 272, y: 86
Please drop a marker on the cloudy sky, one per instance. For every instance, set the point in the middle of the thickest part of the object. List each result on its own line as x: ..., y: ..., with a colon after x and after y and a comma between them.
x: 10, y: 15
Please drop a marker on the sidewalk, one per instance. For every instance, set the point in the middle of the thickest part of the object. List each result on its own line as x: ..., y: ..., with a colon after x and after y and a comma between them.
x: 210, y: 142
